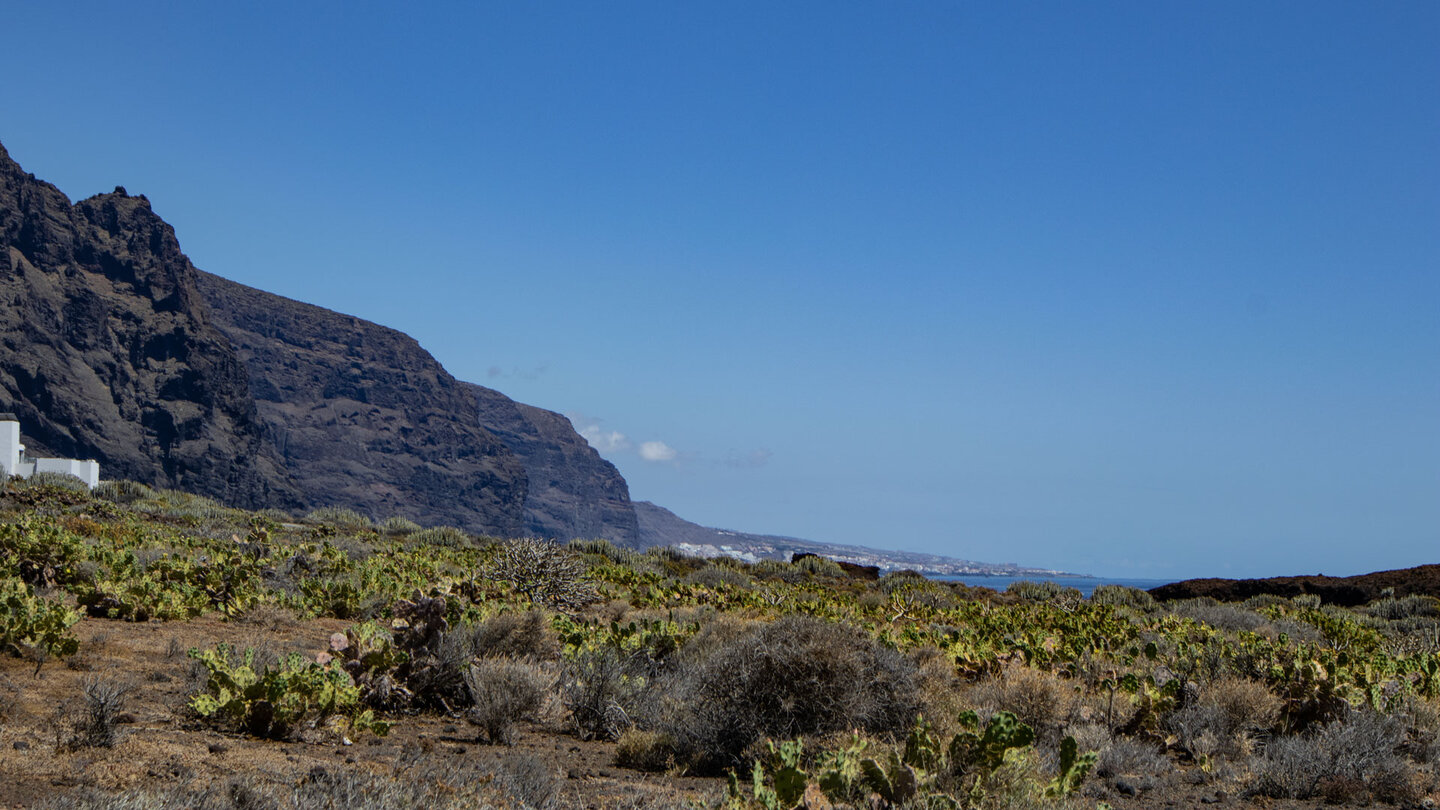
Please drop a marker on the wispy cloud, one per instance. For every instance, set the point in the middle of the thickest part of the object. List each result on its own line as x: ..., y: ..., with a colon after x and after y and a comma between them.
x: 603, y: 440
x: 657, y: 451
x: 612, y: 442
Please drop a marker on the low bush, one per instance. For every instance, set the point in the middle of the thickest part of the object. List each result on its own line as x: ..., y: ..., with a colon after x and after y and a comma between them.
x: 93, y: 723
x: 1042, y: 700
x: 1227, y: 715
x: 645, y: 750
x: 1354, y: 759
x: 122, y: 491
x: 1121, y: 596
x: 526, y: 635
x: 1028, y: 591
x: 603, y: 692
x: 502, y: 693
x: 443, y: 536
x: 277, y: 701
x: 715, y: 576
x: 796, y: 676
x: 398, y: 526
x: 340, y: 518
x: 544, y: 573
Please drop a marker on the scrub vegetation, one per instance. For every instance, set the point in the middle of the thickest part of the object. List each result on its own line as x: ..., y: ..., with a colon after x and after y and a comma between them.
x: 365, y: 663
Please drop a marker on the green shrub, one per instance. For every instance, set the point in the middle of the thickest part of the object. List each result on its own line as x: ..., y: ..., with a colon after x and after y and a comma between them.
x: 604, y: 548
x: 58, y: 480
x: 122, y: 491
x: 398, y: 526
x: 340, y: 518
x: 544, y: 573
x: 443, y: 536
x: 897, y: 580
x: 1405, y: 607
x: 1121, y: 596
x: 275, y: 702
x: 28, y: 622
x: 715, y: 576
x: 645, y: 750
x: 1028, y: 591
x: 819, y: 566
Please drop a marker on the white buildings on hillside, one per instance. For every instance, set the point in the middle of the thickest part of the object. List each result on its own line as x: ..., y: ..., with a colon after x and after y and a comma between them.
x: 14, y: 461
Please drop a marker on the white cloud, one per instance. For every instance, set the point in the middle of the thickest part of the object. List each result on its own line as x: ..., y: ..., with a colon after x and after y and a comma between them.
x: 609, y: 441
x: 605, y: 441
x: 657, y: 451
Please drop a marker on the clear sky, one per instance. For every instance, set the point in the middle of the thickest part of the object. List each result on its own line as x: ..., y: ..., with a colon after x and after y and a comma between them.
x: 1146, y: 289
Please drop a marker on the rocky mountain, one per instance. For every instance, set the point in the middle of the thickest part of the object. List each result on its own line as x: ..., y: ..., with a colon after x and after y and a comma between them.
x: 107, y: 350
x: 572, y: 491
x: 113, y: 346
x: 364, y: 418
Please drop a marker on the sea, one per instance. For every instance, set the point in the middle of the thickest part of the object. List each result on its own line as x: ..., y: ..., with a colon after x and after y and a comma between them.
x: 1087, y: 585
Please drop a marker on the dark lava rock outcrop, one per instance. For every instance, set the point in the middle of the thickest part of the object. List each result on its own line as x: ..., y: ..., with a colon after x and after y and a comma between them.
x: 107, y: 351
x: 1422, y: 580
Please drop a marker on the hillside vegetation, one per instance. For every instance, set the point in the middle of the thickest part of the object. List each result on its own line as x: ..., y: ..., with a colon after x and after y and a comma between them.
x: 164, y: 651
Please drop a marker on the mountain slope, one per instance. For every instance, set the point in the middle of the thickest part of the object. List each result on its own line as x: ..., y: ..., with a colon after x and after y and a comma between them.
x: 113, y: 346
x: 107, y: 350
x: 572, y: 492
x: 365, y: 418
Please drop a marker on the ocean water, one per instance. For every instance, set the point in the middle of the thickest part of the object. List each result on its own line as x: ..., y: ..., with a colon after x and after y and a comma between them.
x: 1086, y: 585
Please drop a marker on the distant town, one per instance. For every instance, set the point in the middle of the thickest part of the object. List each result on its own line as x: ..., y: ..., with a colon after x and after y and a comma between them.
x: 752, y: 548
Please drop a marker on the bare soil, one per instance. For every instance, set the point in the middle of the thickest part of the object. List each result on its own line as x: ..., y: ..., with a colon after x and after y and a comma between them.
x: 162, y: 746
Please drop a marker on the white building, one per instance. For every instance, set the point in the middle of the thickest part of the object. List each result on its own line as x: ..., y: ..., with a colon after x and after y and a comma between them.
x: 14, y: 461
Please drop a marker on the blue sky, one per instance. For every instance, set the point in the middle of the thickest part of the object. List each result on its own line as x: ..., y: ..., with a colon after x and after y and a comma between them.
x: 1133, y: 289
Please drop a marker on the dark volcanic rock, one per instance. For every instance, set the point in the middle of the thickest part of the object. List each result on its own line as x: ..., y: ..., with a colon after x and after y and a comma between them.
x: 114, y: 347
x: 365, y: 418
x: 572, y: 492
x: 107, y: 350
x: 1422, y: 580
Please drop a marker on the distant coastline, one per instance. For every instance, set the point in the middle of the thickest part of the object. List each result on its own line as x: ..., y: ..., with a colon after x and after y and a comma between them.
x: 1086, y: 584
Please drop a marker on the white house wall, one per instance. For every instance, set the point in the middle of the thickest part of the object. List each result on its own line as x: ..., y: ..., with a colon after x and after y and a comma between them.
x: 87, y: 471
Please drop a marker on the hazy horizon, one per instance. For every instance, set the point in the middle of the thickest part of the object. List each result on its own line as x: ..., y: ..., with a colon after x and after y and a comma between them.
x: 1122, y: 289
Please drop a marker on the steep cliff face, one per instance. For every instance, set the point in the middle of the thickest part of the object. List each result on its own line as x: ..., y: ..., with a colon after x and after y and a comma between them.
x: 363, y: 417
x: 573, y: 492
x: 114, y: 347
x: 107, y: 350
